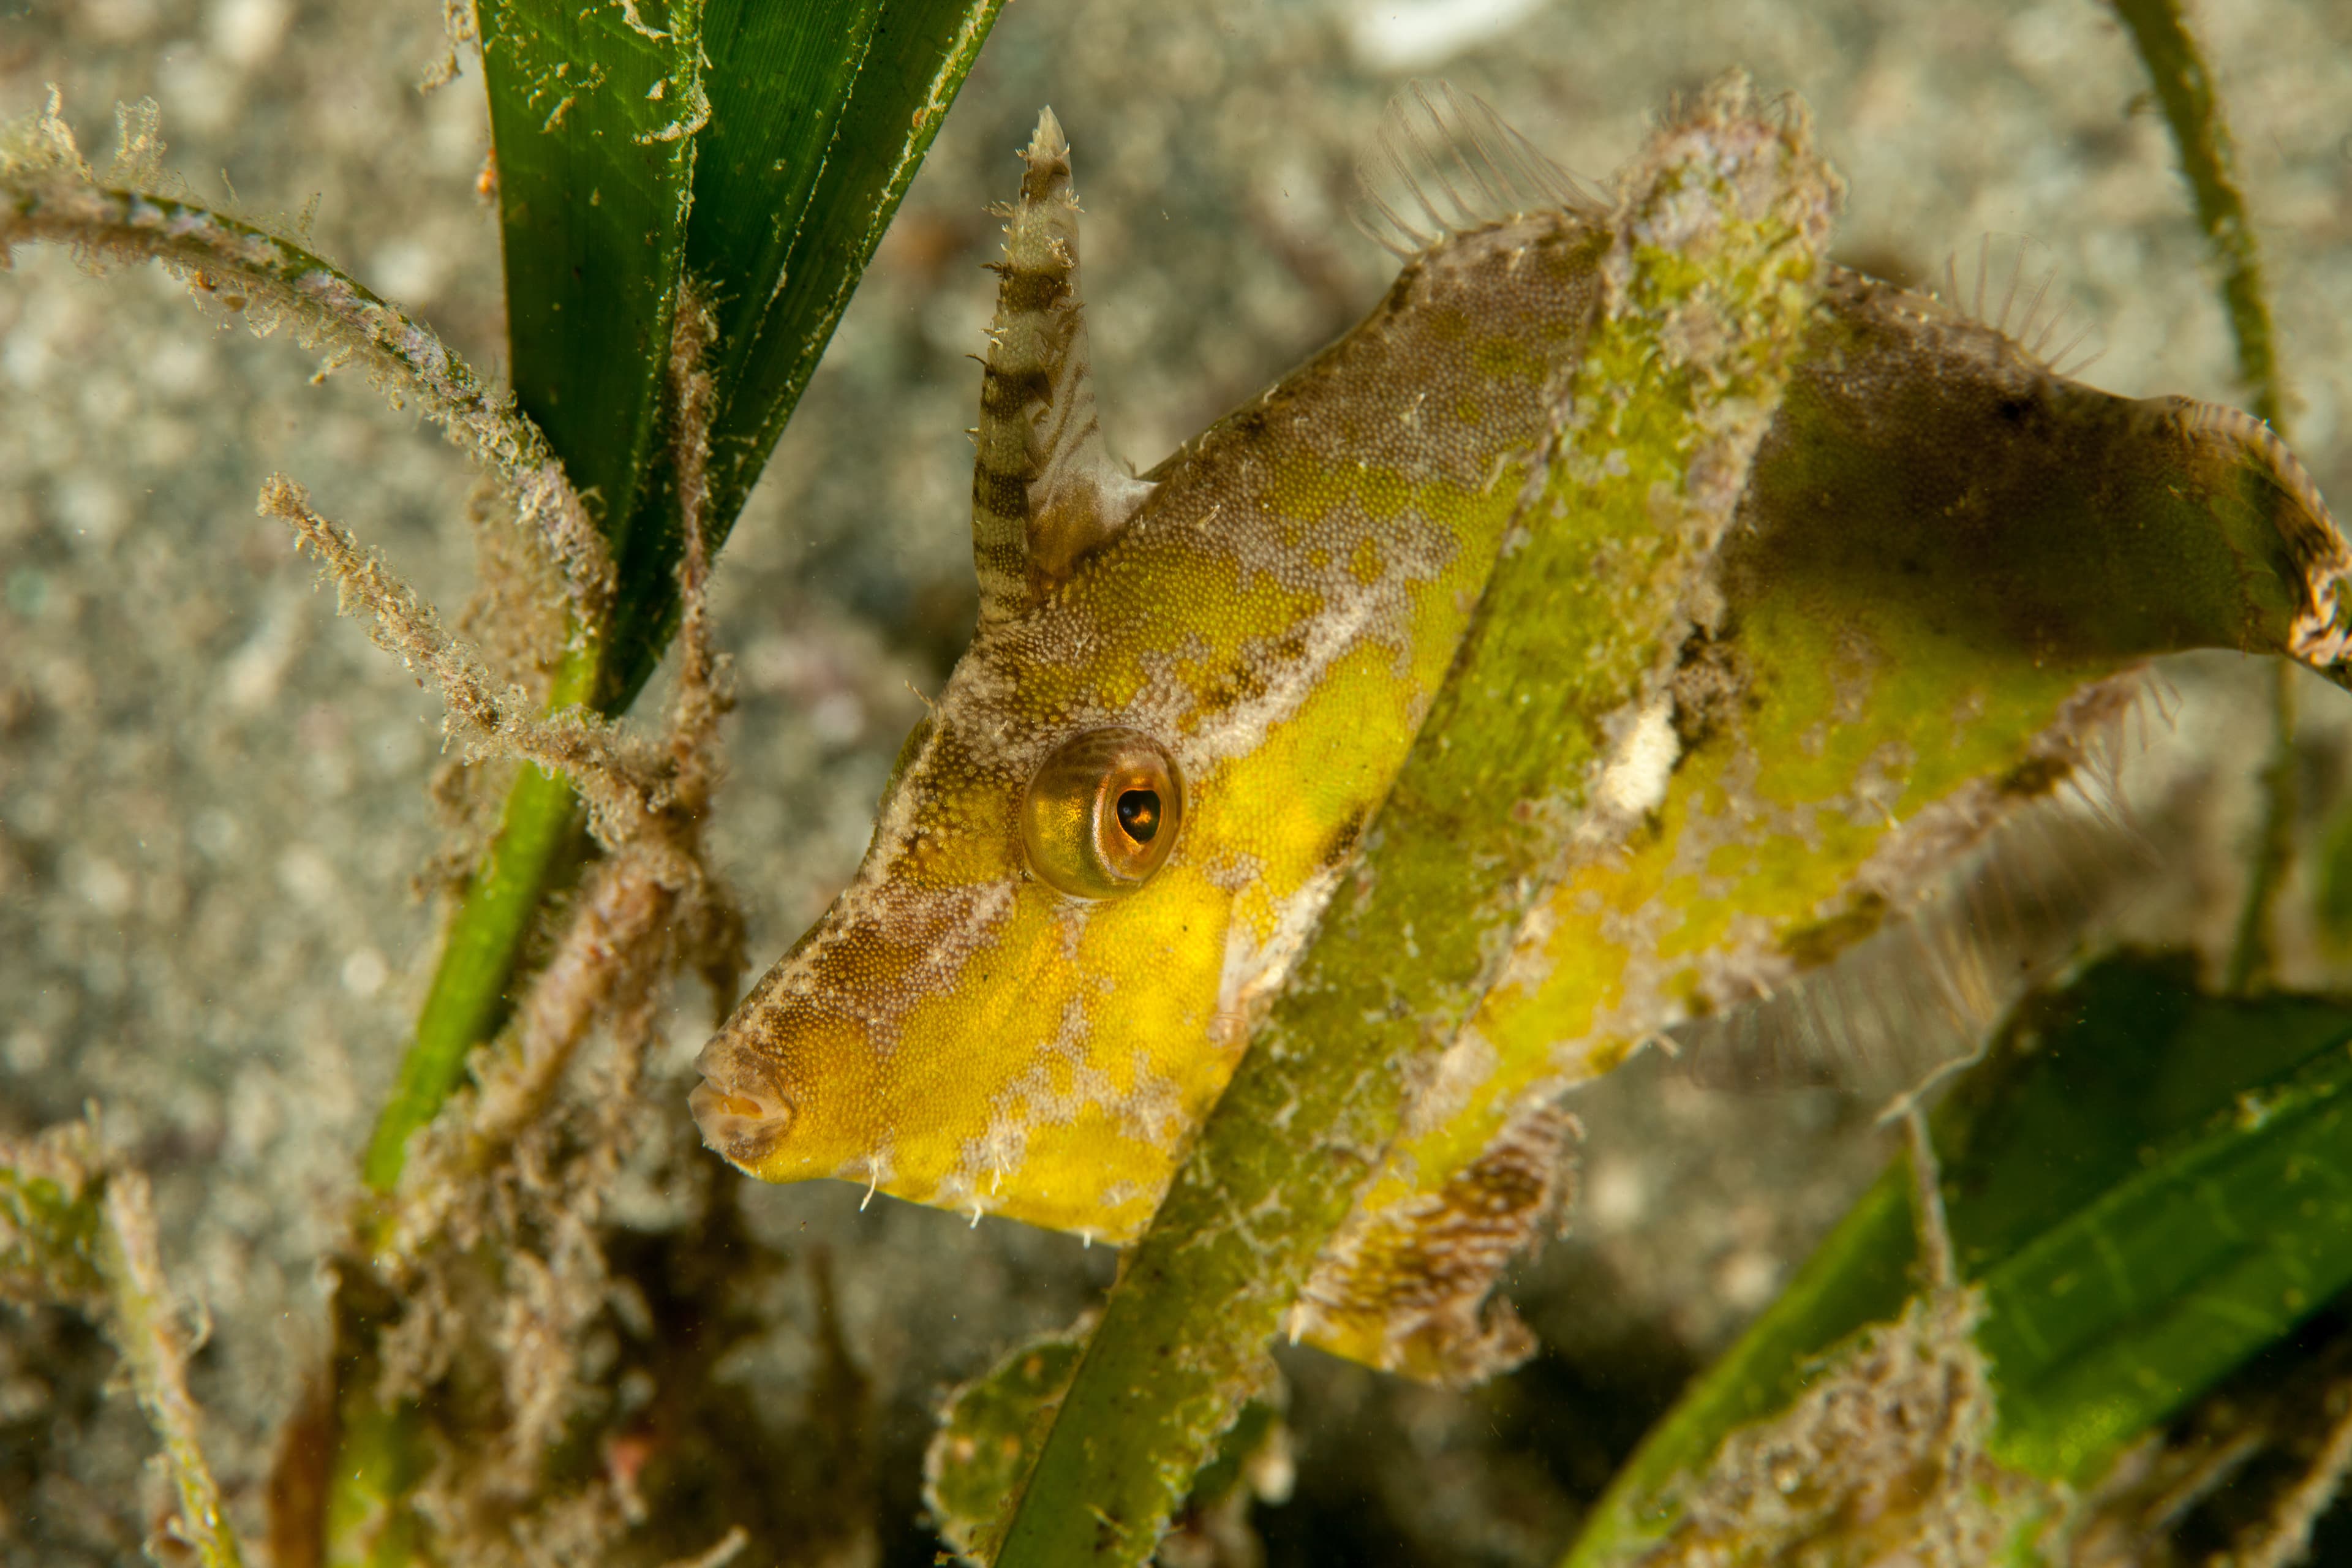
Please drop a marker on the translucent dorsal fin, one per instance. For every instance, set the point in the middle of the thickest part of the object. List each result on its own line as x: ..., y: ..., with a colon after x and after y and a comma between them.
x: 1045, y: 489
x: 2014, y: 306
x: 1895, y: 1015
x: 1444, y: 164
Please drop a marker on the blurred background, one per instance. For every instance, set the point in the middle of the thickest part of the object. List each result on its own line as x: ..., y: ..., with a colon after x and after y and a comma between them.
x: 214, y: 802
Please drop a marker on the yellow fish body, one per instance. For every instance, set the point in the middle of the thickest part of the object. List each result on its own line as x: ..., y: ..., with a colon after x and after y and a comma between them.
x: 1102, y: 851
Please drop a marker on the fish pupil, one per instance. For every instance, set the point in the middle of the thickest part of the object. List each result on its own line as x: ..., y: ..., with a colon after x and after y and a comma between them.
x: 1139, y: 814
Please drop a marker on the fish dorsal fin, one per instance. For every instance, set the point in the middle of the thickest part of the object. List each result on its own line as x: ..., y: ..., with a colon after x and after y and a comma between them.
x: 1444, y: 164
x: 1046, y: 492
x: 2014, y: 305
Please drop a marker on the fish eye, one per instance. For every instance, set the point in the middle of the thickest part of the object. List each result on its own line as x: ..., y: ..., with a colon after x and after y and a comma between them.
x: 1101, y: 813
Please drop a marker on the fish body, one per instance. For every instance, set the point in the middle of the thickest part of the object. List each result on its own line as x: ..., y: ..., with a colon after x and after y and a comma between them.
x: 1103, y: 849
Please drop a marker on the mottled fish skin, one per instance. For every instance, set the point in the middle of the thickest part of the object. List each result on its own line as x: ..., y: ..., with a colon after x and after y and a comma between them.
x: 1277, y: 614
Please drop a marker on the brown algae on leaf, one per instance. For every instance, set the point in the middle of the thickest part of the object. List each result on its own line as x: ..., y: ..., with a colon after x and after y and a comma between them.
x: 1944, y: 564
x: 1886, y: 1457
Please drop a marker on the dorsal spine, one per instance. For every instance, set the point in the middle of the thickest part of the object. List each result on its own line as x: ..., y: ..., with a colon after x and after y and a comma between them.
x: 1045, y: 492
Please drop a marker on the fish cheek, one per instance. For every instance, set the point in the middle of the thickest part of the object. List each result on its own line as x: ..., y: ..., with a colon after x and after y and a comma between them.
x: 970, y: 1038
x: 1114, y: 1062
x: 1149, y: 966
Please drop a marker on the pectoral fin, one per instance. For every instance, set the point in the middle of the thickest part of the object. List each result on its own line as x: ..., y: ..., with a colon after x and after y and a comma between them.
x: 1046, y: 492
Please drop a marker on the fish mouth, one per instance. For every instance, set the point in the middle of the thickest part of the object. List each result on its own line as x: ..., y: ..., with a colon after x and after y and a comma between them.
x: 742, y: 1113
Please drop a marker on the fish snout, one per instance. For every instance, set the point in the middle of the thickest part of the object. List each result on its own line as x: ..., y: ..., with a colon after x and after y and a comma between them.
x: 742, y: 1108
